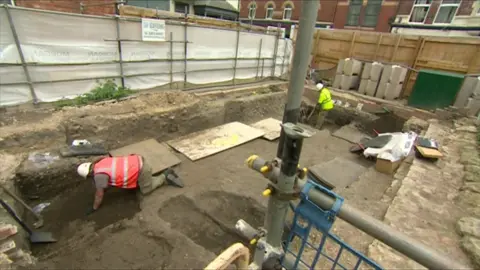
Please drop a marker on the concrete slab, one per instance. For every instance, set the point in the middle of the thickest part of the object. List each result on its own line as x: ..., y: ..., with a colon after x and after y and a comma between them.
x: 211, y: 141
x: 158, y: 155
x: 349, y: 133
x: 337, y: 173
x: 270, y: 126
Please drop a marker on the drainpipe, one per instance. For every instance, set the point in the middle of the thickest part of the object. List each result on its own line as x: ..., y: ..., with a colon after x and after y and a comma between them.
x: 300, y: 63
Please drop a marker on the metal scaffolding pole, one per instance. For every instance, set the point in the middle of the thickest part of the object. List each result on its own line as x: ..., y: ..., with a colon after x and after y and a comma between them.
x: 119, y: 47
x: 185, y: 48
x: 20, y: 53
x: 301, y: 55
x: 236, y: 55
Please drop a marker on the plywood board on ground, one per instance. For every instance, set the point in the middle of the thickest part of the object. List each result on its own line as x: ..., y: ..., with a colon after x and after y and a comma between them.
x: 270, y: 126
x: 211, y: 141
x: 337, y: 173
x: 349, y: 133
x: 156, y: 154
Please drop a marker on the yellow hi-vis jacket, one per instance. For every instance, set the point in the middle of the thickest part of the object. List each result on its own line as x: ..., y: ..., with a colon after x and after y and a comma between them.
x: 325, y: 99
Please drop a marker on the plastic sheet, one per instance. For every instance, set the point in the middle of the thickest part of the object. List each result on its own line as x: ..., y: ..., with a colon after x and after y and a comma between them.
x: 67, y: 54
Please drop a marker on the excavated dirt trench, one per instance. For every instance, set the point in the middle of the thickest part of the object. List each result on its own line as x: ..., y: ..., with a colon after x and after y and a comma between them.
x: 195, y: 222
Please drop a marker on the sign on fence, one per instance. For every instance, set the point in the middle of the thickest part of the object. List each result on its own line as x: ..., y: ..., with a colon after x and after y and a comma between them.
x: 153, y: 30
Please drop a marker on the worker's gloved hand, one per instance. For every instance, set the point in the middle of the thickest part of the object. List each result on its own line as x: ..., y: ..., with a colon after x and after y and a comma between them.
x: 90, y: 211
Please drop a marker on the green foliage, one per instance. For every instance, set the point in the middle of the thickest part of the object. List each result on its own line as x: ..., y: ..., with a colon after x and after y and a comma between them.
x: 107, y: 90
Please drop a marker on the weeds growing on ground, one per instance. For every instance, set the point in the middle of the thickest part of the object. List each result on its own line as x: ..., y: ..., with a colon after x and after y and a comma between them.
x: 107, y: 90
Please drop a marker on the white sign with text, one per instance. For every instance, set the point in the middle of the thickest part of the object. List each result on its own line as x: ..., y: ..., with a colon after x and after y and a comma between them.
x: 153, y: 30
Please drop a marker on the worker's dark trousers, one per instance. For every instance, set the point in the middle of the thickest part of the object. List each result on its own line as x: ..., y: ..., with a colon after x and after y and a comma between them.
x: 318, y: 118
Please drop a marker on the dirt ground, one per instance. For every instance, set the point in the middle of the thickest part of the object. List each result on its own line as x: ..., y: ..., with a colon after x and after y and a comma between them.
x: 184, y: 228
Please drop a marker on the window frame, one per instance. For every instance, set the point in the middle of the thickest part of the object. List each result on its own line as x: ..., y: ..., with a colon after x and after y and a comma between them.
x: 360, y: 4
x: 420, y: 5
x: 289, y: 7
x: 267, y: 9
x: 379, y: 5
x: 252, y: 6
x: 12, y: 3
x: 447, y: 5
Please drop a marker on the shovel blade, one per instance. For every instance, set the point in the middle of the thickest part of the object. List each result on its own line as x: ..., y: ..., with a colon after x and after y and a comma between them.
x: 42, y: 237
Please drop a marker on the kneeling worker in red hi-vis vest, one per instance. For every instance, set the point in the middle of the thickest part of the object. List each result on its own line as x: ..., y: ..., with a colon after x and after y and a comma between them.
x: 127, y: 172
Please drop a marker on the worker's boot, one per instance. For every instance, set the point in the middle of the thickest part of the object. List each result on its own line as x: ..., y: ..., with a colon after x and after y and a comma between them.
x: 172, y: 178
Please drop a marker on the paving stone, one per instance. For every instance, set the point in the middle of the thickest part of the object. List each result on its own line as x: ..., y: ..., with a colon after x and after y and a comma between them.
x: 469, y: 226
x: 471, y: 245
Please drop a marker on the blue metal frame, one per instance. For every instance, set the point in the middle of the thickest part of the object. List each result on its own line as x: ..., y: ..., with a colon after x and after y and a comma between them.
x: 322, y: 220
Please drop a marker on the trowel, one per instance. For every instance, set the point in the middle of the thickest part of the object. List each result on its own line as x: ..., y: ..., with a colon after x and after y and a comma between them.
x: 35, y: 237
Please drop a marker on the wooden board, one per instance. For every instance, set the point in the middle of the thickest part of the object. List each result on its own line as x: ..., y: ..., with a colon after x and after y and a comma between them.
x: 211, y: 141
x: 158, y: 155
x: 337, y: 173
x: 429, y: 152
x: 270, y: 126
x: 350, y: 133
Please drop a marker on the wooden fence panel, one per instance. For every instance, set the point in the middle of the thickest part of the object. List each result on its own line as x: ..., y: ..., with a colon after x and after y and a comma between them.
x: 461, y: 55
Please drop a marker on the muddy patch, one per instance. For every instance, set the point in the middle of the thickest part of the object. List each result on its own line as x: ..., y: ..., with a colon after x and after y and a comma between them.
x: 210, y: 220
x: 68, y: 213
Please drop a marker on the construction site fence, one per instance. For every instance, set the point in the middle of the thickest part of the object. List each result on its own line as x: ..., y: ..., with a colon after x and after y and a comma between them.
x: 47, y: 56
x: 454, y: 54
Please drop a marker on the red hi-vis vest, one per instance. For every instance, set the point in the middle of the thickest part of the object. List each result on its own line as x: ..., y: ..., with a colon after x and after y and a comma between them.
x: 122, y: 171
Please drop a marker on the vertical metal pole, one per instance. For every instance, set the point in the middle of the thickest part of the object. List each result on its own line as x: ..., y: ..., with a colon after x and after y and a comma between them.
x: 259, y: 55
x: 119, y: 46
x: 22, y: 57
x: 236, y: 55
x: 284, y: 55
x: 275, y: 51
x: 303, y: 47
x: 171, y: 59
x: 185, y: 51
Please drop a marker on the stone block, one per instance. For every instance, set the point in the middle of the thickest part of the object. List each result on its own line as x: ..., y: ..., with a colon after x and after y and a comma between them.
x: 366, y: 71
x: 381, y: 89
x: 7, y: 230
x: 386, y: 74
x: 349, y: 82
x: 393, y: 91
x: 371, y: 87
x: 468, y: 88
x: 340, y: 66
x: 337, y: 80
x: 352, y: 67
x: 398, y: 74
x: 363, y: 86
x: 376, y: 71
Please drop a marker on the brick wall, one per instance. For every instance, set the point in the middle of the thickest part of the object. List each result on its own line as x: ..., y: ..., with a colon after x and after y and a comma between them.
x: 71, y: 6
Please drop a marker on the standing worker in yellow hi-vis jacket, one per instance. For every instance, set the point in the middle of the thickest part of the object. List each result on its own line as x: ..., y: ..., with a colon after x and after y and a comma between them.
x: 325, y: 104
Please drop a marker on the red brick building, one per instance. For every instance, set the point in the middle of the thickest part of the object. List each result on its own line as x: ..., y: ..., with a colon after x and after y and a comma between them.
x: 92, y: 7
x: 368, y: 15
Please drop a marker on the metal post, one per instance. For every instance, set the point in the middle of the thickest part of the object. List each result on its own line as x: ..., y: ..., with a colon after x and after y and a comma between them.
x: 415, y: 250
x: 20, y: 53
x: 236, y: 55
x: 185, y: 51
x: 275, y: 51
x: 171, y: 60
x: 119, y: 45
x: 284, y: 55
x: 303, y: 47
x: 259, y: 56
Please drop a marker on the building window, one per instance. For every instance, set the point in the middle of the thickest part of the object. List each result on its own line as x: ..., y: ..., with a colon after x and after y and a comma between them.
x: 447, y: 11
x: 7, y: 2
x: 371, y: 13
x: 287, y: 12
x: 162, y: 5
x: 420, y: 11
x: 252, y: 9
x: 354, y: 12
x: 181, y: 7
x: 269, y: 9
